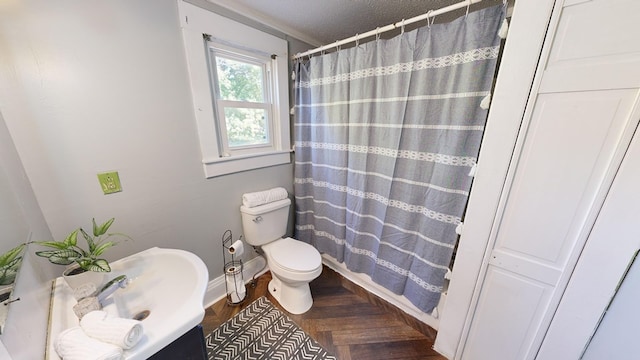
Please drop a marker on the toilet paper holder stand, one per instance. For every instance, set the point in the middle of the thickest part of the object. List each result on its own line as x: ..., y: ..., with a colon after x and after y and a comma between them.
x: 236, y: 291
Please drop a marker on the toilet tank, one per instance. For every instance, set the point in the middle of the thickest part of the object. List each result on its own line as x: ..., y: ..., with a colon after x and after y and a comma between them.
x: 265, y: 223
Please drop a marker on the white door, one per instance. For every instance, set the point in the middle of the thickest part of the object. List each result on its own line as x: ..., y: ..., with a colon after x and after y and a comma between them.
x: 580, y: 119
x: 610, y: 248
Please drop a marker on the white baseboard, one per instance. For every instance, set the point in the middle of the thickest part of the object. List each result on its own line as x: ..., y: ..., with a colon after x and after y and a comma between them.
x: 401, y: 302
x: 216, y: 289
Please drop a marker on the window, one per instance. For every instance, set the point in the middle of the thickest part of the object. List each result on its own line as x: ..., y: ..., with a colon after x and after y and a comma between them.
x: 240, y: 92
x: 242, y: 85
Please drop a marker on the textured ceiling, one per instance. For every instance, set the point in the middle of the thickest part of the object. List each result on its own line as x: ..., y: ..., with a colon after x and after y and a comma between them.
x: 325, y: 21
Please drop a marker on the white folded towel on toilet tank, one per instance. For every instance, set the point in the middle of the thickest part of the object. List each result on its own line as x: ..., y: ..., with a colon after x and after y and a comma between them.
x: 74, y: 344
x: 258, y: 198
x: 125, y: 333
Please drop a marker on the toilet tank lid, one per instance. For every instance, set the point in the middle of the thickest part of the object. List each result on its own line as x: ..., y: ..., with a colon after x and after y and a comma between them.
x: 259, y: 210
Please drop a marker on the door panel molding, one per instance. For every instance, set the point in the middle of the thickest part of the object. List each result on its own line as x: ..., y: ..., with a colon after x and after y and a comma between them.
x: 513, y: 246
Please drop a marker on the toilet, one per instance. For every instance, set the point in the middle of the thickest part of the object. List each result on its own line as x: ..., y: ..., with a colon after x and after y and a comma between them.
x: 293, y: 263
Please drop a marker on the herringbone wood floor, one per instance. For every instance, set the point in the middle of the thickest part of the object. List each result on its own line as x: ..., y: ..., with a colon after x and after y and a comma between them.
x: 347, y: 320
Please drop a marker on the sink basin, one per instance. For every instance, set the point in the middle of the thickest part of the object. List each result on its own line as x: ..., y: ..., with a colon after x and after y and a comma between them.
x: 166, y: 290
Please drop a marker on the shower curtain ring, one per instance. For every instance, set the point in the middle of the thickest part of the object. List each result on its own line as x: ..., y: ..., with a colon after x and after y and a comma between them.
x: 402, y: 27
x: 377, y: 33
x: 430, y: 18
x: 467, y: 13
x: 357, y: 39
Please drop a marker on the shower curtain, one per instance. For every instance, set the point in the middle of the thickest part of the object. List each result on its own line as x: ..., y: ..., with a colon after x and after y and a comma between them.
x: 385, y: 136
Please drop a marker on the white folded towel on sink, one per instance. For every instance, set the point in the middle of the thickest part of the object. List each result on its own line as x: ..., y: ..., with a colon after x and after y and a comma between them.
x: 74, y: 344
x: 125, y: 333
x: 264, y: 197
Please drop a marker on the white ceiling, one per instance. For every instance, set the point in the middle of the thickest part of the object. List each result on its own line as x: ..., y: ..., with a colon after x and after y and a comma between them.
x: 319, y: 22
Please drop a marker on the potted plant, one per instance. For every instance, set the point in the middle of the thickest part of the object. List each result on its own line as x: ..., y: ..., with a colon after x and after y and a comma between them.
x: 9, y: 264
x: 85, y: 265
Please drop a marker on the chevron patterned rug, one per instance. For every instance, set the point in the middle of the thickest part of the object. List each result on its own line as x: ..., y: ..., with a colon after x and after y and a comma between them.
x: 261, y: 331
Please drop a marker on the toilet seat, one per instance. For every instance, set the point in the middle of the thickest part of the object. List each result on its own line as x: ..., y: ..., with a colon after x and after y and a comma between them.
x: 294, y: 255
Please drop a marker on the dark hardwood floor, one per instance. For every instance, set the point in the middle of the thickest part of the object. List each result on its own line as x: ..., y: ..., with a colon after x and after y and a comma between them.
x: 347, y: 320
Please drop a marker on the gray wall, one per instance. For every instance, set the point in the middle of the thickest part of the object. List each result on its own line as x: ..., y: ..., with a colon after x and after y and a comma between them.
x: 90, y: 86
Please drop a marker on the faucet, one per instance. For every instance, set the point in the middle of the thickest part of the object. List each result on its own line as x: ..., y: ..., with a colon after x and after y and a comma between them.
x: 95, y: 300
x: 111, y: 287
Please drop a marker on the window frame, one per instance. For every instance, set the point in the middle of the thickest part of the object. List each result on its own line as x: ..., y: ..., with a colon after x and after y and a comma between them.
x: 216, y: 50
x: 199, y: 26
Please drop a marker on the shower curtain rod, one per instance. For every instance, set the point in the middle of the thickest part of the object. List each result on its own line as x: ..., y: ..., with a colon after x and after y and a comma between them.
x: 399, y: 24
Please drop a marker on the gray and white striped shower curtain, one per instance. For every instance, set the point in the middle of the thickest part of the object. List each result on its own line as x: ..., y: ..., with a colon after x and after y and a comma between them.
x: 385, y: 136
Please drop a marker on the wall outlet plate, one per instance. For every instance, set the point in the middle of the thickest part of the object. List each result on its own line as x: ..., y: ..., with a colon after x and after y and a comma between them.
x: 110, y: 182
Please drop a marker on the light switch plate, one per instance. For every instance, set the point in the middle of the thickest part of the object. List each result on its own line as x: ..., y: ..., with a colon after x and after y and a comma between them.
x: 110, y: 182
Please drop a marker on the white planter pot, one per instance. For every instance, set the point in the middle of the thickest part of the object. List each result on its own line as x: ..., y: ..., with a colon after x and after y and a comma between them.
x: 77, y: 280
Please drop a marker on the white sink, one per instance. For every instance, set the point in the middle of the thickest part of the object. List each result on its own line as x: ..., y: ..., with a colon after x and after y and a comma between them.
x: 169, y: 284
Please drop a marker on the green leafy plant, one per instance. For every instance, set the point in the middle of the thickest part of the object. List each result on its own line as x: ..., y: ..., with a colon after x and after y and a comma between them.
x: 68, y: 251
x: 9, y: 264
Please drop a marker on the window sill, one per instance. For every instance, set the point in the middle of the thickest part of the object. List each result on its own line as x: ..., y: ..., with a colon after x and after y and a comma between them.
x: 232, y: 164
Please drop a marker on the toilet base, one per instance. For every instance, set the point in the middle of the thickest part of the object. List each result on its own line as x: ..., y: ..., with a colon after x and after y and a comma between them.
x: 295, y: 298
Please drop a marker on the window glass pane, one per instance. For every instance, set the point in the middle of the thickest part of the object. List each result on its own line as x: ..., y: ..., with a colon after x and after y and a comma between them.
x: 239, y: 81
x: 246, y: 126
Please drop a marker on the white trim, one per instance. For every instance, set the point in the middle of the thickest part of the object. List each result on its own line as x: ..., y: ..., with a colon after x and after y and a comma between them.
x: 230, y: 165
x: 240, y: 157
x: 254, y: 15
x: 519, y: 63
x: 216, y: 290
x: 493, y: 223
x: 576, y: 320
x: 195, y: 22
x: 263, y: 62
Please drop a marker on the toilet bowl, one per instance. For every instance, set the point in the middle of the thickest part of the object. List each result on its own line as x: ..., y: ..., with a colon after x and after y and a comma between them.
x: 293, y: 263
